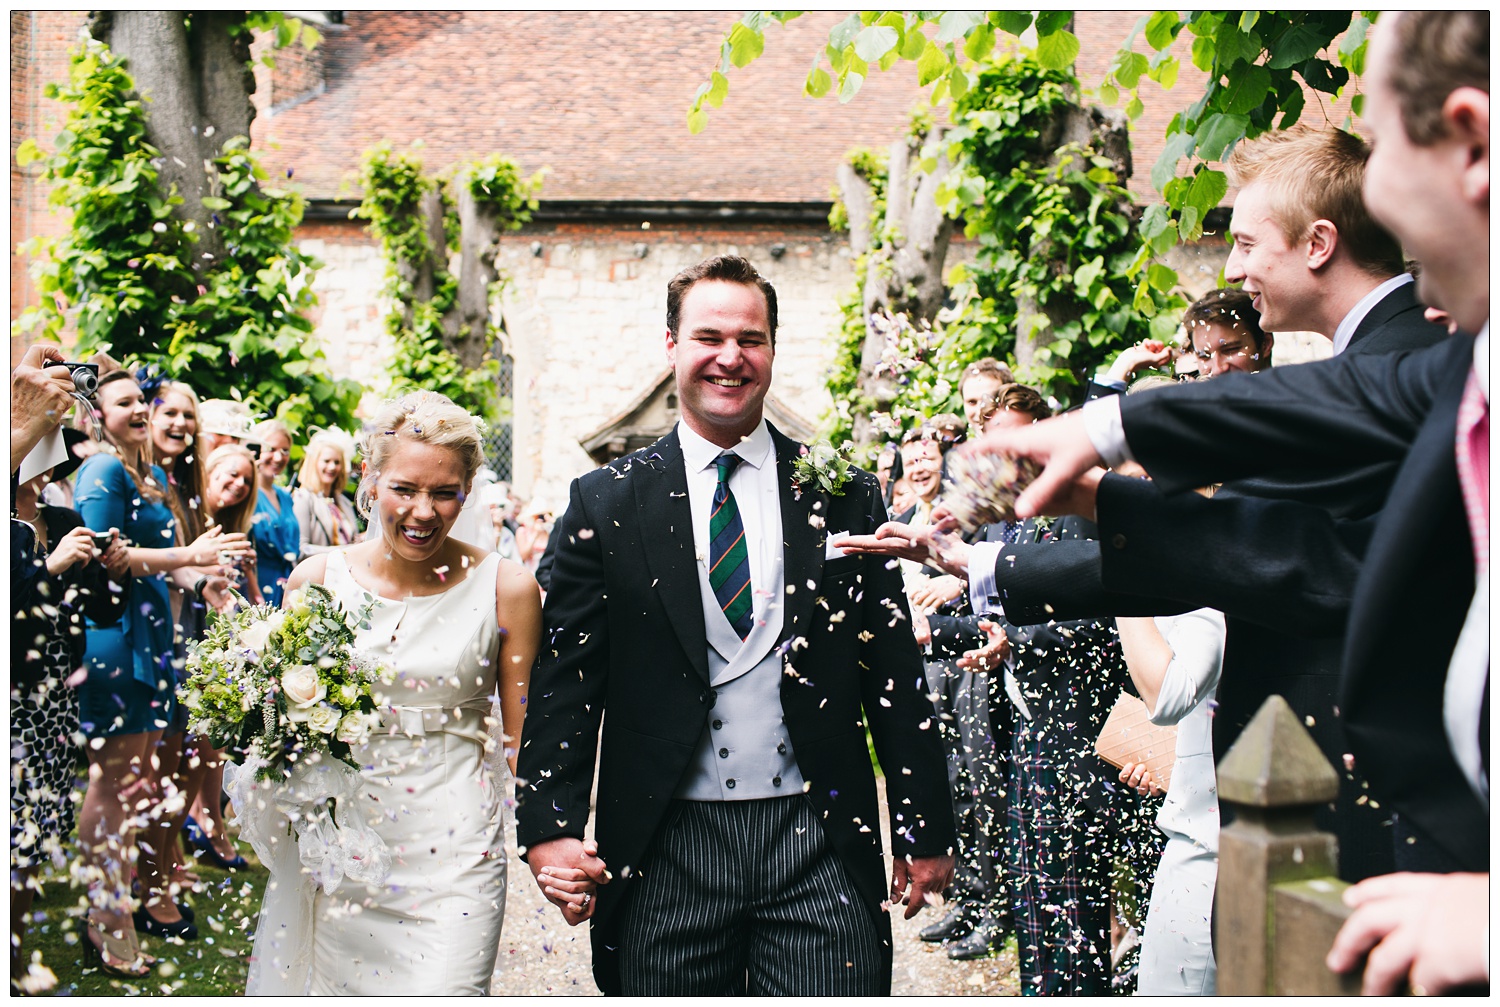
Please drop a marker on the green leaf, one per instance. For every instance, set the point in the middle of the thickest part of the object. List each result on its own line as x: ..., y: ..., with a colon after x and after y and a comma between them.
x: 745, y: 45
x: 1248, y: 19
x: 1297, y: 44
x: 1109, y: 94
x: 1163, y: 278
x: 287, y: 32
x: 1132, y: 66
x: 958, y: 83
x: 1356, y: 106
x: 1207, y: 190
x: 1134, y: 107
x: 1246, y: 90
x: 1058, y: 50
x: 1178, y: 146
x: 913, y: 45
x: 874, y: 42
x: 27, y: 152
x: 955, y: 24
x: 1354, y: 45
x: 1218, y: 132
x: 697, y: 119
x: 1013, y: 21
x: 1189, y: 224
x: 718, y: 88
x: 215, y: 203
x: 1234, y: 46
x: 841, y: 35
x: 1165, y: 72
x: 932, y: 65
x: 1322, y: 75
x: 818, y: 83
x: 1204, y: 52
x: 310, y: 37
x: 1162, y: 29
x: 981, y: 40
x: 850, y: 86
x: 1050, y: 21
x: 1291, y: 108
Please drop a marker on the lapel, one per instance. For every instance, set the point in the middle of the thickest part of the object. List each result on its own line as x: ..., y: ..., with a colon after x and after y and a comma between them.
x: 802, y: 543
x: 1403, y: 298
x: 666, y: 526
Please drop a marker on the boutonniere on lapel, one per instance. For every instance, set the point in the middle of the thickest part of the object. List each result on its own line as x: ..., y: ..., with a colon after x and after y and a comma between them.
x: 821, y: 467
x: 982, y: 486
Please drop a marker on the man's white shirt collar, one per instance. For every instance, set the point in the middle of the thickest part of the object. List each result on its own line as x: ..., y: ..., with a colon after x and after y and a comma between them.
x: 698, y: 453
x: 1345, y: 332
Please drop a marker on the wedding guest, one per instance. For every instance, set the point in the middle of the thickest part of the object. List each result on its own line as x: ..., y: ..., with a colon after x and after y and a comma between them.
x: 223, y: 421
x: 978, y: 386
x: 533, y: 527
x: 325, y: 514
x: 62, y: 579
x: 274, y: 530
x: 126, y: 699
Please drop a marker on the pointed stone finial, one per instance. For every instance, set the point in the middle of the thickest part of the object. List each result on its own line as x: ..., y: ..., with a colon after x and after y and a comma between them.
x: 1275, y: 763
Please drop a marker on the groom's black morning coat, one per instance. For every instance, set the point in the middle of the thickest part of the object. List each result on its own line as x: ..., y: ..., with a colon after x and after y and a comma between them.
x: 625, y: 640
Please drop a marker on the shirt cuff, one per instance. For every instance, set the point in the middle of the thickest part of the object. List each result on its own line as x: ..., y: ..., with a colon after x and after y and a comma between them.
x: 1103, y: 380
x: 1101, y: 421
x: 983, y: 594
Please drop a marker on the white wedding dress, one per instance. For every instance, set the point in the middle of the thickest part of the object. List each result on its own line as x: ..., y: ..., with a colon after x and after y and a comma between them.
x: 433, y: 793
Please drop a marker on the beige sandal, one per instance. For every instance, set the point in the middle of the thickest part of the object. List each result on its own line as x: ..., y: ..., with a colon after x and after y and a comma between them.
x: 129, y: 962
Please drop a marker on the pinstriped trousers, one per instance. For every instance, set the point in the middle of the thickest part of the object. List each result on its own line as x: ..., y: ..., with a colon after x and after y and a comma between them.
x: 742, y: 897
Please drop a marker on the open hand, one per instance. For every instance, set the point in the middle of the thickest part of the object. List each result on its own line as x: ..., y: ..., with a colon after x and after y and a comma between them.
x: 992, y: 655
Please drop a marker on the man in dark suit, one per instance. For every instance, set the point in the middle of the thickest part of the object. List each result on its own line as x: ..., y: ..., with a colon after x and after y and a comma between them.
x: 1414, y: 690
x: 1311, y: 258
x: 741, y: 658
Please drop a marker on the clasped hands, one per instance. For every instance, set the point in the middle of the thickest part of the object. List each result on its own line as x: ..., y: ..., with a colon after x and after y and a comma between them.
x: 569, y: 871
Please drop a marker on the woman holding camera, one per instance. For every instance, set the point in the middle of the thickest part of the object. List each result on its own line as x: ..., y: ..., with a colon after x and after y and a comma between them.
x: 63, y: 576
x: 126, y: 699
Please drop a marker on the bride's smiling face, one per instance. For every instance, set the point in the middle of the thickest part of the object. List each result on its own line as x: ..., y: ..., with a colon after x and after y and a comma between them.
x: 418, y: 494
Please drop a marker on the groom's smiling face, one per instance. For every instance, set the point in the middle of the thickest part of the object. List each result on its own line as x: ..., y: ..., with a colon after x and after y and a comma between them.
x: 722, y: 358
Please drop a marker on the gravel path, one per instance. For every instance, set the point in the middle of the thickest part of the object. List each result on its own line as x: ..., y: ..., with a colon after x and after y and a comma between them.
x: 542, y: 956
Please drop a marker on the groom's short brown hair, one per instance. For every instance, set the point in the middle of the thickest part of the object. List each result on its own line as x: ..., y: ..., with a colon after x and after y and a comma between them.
x: 730, y: 268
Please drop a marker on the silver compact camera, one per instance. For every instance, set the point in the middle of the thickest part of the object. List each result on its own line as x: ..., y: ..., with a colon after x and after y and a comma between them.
x: 85, y: 376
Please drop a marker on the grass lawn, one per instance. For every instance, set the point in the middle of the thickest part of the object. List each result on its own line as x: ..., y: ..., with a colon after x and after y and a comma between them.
x: 226, y: 903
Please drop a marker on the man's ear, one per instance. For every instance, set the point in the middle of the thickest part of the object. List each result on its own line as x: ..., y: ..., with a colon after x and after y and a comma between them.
x: 1322, y: 242
x: 1467, y: 115
x: 1266, y: 346
x: 671, y: 349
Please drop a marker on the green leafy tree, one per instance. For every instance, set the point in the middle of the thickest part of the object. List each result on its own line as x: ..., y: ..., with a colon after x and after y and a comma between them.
x: 444, y: 323
x: 1260, y: 65
x: 132, y: 274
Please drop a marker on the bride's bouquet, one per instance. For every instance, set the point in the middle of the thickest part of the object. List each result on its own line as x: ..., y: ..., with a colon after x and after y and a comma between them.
x: 286, y: 684
x: 290, y: 686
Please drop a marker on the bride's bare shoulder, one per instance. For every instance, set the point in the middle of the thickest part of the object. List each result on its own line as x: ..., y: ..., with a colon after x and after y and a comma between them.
x: 309, y: 571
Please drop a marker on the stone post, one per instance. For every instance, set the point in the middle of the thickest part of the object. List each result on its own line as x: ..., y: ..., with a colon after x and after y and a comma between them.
x: 1275, y: 777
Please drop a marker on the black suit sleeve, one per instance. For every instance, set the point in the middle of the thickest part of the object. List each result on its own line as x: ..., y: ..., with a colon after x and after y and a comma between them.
x: 1283, y: 565
x: 1353, y: 410
x: 566, y: 700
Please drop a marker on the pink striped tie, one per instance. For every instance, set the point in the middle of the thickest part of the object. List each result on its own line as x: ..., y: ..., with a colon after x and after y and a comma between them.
x: 1473, y: 455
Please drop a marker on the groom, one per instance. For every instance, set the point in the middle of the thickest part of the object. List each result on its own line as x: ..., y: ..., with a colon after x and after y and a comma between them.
x: 738, y: 659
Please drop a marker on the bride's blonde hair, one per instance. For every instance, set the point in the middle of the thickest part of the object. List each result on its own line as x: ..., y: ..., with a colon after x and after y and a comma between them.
x: 428, y: 417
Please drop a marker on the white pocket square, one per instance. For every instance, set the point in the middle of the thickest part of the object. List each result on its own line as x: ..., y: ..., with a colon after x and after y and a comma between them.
x: 831, y: 549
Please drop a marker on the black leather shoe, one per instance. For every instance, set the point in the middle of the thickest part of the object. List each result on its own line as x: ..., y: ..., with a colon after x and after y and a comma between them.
x: 955, y: 924
x: 145, y: 923
x: 983, y: 941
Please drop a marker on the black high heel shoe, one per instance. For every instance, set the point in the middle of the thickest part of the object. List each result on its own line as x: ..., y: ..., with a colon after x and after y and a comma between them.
x: 200, y: 842
x: 147, y: 924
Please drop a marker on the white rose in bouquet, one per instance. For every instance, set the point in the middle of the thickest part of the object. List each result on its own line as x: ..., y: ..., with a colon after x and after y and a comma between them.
x: 303, y: 690
x: 323, y: 719
x: 355, y: 728
x: 256, y: 636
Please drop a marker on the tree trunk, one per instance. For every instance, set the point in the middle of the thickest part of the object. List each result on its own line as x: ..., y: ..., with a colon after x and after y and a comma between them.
x: 196, y: 79
x: 468, y: 324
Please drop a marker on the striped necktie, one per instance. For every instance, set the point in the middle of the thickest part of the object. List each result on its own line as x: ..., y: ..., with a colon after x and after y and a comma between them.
x: 729, y: 560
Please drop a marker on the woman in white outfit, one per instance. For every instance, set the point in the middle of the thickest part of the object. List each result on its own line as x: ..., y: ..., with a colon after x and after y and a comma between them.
x: 1174, y: 662
x: 457, y: 625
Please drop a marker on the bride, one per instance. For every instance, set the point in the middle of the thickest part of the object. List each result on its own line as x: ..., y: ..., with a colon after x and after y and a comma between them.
x: 455, y: 624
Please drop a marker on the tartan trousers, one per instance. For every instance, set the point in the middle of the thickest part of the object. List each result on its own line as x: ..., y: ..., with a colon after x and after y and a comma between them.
x: 1059, y: 854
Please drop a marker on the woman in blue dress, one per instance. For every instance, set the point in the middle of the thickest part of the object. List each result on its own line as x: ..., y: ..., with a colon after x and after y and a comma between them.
x: 276, y: 533
x: 126, y: 699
